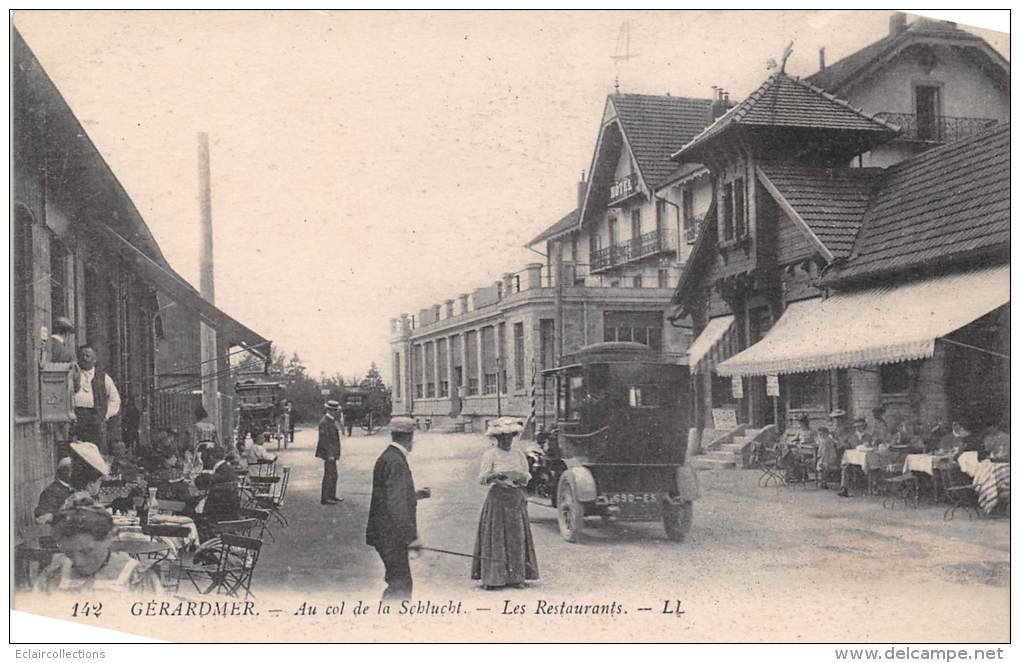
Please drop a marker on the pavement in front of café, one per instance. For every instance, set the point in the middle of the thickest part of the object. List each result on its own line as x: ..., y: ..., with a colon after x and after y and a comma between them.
x: 772, y: 564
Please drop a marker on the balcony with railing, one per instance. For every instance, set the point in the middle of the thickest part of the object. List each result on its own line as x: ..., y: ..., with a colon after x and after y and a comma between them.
x: 643, y: 246
x: 936, y: 129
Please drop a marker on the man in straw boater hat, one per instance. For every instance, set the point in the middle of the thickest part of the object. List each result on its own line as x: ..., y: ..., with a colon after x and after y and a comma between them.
x: 393, y: 515
x: 328, y: 449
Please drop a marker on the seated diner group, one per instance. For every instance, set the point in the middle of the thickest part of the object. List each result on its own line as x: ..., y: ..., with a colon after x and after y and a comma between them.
x: 864, y: 450
x: 77, y: 516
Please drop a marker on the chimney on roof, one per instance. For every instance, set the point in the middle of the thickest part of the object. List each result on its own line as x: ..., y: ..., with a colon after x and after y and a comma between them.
x: 582, y: 187
x: 720, y: 104
x: 821, y: 59
x: 897, y: 23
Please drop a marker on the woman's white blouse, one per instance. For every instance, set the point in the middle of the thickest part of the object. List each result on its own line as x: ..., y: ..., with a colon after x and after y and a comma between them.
x: 497, y: 460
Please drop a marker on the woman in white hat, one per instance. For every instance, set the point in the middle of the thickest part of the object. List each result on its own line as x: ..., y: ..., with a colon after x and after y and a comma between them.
x: 504, y: 548
x: 88, y: 467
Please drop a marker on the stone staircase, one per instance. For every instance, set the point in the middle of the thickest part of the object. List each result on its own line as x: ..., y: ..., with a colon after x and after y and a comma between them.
x: 727, y: 451
x: 449, y: 426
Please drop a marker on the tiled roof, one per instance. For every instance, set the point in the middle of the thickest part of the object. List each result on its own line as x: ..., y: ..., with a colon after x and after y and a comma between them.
x: 656, y: 125
x: 831, y: 201
x: 785, y: 101
x: 937, y: 207
x: 840, y: 72
x: 564, y: 225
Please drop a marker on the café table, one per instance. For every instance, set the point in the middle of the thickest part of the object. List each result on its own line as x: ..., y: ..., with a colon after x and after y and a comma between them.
x: 934, y: 465
x: 139, y: 548
x: 871, y: 460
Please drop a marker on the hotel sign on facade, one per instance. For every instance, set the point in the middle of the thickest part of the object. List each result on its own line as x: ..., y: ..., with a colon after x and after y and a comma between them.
x: 622, y: 188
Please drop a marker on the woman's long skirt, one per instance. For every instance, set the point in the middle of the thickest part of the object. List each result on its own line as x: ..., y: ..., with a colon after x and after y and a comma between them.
x: 504, y: 545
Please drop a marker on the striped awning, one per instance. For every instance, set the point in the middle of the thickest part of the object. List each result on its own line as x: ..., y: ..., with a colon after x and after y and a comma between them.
x: 711, y: 346
x: 876, y: 326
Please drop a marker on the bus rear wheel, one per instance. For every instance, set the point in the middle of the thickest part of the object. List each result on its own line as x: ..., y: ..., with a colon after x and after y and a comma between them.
x: 677, y: 519
x: 569, y: 513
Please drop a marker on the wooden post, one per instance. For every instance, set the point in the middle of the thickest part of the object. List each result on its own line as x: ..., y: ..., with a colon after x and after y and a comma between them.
x: 208, y: 355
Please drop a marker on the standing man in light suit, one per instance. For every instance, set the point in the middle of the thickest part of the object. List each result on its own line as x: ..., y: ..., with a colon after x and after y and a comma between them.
x: 96, y: 399
x: 328, y: 449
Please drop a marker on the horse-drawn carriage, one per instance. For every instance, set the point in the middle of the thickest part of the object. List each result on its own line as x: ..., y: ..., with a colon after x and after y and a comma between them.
x: 618, y: 445
x: 259, y: 406
x: 361, y: 409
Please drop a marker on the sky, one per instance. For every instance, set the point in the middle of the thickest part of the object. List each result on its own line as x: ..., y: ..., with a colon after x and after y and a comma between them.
x: 370, y: 164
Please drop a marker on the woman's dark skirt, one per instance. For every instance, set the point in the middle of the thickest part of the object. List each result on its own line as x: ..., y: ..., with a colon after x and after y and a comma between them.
x: 504, y: 538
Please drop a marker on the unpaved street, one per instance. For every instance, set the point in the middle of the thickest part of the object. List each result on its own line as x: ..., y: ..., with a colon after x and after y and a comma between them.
x: 769, y: 564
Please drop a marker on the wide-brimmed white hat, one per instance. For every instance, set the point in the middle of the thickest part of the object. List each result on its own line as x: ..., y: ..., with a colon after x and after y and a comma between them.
x: 504, y: 426
x: 89, y: 453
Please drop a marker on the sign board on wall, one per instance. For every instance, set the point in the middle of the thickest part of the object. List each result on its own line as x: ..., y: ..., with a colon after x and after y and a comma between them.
x: 724, y: 418
x: 772, y: 385
x: 737, y: 384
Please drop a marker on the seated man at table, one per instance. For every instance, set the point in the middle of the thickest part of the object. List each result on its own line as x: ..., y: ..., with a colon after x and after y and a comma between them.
x: 54, y: 495
x: 123, y: 463
x: 959, y: 440
x: 860, y: 437
x: 880, y: 429
x: 223, y: 499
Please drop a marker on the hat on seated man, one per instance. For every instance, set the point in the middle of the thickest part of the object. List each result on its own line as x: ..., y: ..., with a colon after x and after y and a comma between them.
x: 402, y: 425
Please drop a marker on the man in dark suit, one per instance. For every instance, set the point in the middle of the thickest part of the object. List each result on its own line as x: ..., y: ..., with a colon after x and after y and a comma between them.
x: 328, y: 450
x: 223, y: 500
x: 54, y: 495
x: 392, y: 517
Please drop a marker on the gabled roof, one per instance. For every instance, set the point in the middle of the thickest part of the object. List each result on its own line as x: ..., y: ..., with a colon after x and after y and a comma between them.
x: 840, y: 73
x: 940, y: 207
x: 655, y: 125
x: 786, y: 101
x: 564, y: 226
x: 831, y: 202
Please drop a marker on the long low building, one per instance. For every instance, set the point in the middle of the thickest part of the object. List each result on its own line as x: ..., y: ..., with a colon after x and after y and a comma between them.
x: 82, y: 251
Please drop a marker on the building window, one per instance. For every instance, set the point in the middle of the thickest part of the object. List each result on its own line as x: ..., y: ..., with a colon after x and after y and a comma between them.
x: 471, y: 347
x: 638, y: 282
x: 663, y: 278
x: 727, y: 213
x: 547, y: 342
x: 430, y: 370
x: 636, y: 326
x: 722, y: 392
x: 443, y: 366
x: 490, y: 383
x: 739, y: 225
x: 418, y: 372
x: 635, y: 223
x: 444, y: 388
x: 396, y: 375
x: 926, y: 101
x: 895, y: 378
x: 614, y: 230
x: 59, y: 282
x: 733, y: 217
x: 519, y: 355
x: 690, y: 223
x: 24, y: 285
x: 593, y: 246
x: 503, y: 360
x: 807, y: 391
x: 573, y: 248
